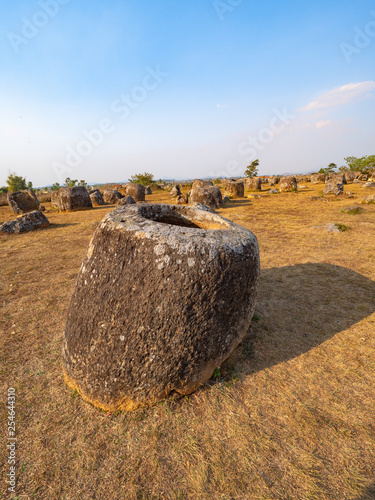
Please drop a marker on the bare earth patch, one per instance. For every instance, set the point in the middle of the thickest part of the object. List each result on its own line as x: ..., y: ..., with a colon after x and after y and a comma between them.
x: 289, y: 416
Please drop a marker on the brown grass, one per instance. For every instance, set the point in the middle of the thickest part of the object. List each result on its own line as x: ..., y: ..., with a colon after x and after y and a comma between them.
x: 289, y: 416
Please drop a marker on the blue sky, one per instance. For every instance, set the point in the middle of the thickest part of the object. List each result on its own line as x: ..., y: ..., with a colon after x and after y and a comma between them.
x: 103, y: 90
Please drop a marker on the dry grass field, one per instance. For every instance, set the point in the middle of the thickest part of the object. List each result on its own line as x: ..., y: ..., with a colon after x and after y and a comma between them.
x: 289, y: 416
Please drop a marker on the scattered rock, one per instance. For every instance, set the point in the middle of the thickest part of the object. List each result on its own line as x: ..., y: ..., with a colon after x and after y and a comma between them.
x: 317, y: 178
x: 72, y: 198
x: 352, y: 210
x: 368, y: 200
x: 275, y: 180
x: 148, y: 190
x: 21, y: 202
x: 235, y: 189
x: 333, y: 187
x: 273, y: 191
x: 55, y: 199
x: 319, y: 198
x: 226, y: 199
x: 136, y: 191
x: 164, y: 296
x: 288, y: 183
x: 96, y: 197
x: 183, y: 199
x: 361, y: 177
x: 339, y: 178
x: 330, y: 227
x: 253, y: 184
x: 28, y: 222
x: 111, y: 196
x: 368, y: 184
x: 176, y: 191
x: 302, y: 178
x: 127, y: 200
x: 350, y: 176
x: 207, y: 195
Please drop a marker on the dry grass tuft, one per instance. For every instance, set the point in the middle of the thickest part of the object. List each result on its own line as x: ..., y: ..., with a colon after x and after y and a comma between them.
x: 289, y: 416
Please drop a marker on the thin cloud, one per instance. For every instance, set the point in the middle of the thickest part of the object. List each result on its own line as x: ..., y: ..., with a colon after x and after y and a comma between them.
x: 221, y: 106
x: 341, y: 96
x: 323, y: 123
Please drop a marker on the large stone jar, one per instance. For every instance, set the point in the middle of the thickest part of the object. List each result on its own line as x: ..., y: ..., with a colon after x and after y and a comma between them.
x: 164, y: 295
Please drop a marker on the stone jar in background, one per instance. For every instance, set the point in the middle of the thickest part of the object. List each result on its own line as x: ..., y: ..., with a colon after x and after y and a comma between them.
x: 163, y: 297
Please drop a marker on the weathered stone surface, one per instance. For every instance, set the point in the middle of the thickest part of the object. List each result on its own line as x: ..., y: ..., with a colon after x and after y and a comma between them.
x: 176, y: 191
x: 253, y: 184
x: 288, y: 183
x: 55, y: 199
x: 198, y: 183
x: 302, y: 178
x: 216, y: 193
x: 235, y: 189
x: 112, y: 196
x: 368, y: 199
x: 22, y: 202
x: 274, y: 180
x: 361, y: 177
x: 226, y: 199
x: 350, y: 176
x: 273, y: 191
x: 164, y: 295
x: 368, y: 184
x: 28, y: 222
x: 333, y: 187
x: 353, y: 210
x: 330, y: 227
x: 96, y: 197
x: 340, y: 178
x: 195, y: 204
x: 183, y: 199
x: 136, y: 191
x: 72, y: 198
x: 316, y: 178
x: 148, y: 190
x: 127, y: 200
x: 209, y: 196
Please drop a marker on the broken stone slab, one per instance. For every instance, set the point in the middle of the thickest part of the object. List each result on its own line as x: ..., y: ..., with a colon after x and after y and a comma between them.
x: 127, y: 200
x: 21, y: 202
x: 164, y: 295
x: 111, y: 196
x: 25, y: 223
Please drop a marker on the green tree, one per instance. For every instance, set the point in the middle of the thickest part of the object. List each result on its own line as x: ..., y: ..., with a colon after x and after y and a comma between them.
x: 70, y: 182
x: 16, y: 183
x: 328, y: 170
x: 252, y: 169
x: 3, y: 190
x: 55, y: 187
x: 363, y: 164
x: 82, y: 183
x: 145, y: 179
